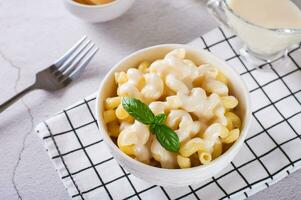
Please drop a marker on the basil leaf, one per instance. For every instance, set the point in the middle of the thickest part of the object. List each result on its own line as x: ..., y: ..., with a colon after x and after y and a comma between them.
x: 167, y: 138
x: 138, y: 110
x: 141, y: 112
x: 160, y: 118
x: 152, y: 128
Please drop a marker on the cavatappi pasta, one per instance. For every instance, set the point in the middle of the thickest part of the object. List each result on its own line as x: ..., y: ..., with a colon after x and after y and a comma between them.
x: 196, y: 100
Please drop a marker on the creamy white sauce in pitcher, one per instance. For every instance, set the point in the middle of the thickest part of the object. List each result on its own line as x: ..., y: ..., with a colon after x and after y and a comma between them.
x: 268, y: 13
x: 277, y: 14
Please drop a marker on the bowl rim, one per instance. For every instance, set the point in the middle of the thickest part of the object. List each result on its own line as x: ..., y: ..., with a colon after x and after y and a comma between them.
x: 80, y: 5
x: 153, y: 169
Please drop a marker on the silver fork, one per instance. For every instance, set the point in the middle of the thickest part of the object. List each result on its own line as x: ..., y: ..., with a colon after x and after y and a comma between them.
x: 62, y: 72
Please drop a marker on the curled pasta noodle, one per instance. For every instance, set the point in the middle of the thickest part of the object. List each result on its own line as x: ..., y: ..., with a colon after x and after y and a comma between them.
x: 143, y: 66
x: 192, y: 146
x: 173, y: 64
x: 176, y: 85
x: 131, y: 86
x: 153, y: 88
x: 129, y: 90
x: 217, y: 149
x: 183, y: 124
x: 160, y: 67
x: 121, y: 77
x: 183, y: 162
x: 229, y: 102
x: 174, y: 102
x: 222, y: 78
x: 147, y: 87
x: 220, y: 115
x: 198, y: 104
x: 142, y: 153
x: 189, y: 63
x: 212, y: 135
x: 184, y: 70
x: 232, y: 136
x: 135, y: 136
x: 112, y: 103
x: 233, y: 119
x: 158, y: 107
x: 190, y: 102
x: 121, y: 113
x: 208, y: 71
x: 178, y: 53
x: 215, y: 86
x: 166, y: 158
x: 135, y: 77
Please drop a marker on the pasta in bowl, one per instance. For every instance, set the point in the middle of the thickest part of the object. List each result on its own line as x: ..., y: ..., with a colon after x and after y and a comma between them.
x: 172, y: 112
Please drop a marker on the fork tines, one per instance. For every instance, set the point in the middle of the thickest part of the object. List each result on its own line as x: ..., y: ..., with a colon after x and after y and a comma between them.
x: 75, y: 60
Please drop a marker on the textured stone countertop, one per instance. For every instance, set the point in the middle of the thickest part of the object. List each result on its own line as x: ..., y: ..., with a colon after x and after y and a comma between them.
x: 33, y: 34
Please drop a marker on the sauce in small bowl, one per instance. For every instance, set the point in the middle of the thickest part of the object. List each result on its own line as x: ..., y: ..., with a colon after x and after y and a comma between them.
x: 94, y: 2
x: 95, y: 11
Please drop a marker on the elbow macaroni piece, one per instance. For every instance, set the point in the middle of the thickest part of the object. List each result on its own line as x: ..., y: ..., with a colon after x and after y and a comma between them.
x: 222, y: 78
x: 197, y: 101
x: 217, y: 149
x: 121, y: 77
x: 205, y: 157
x: 143, y: 67
x: 183, y: 162
x: 229, y: 102
x: 121, y: 113
x: 232, y: 137
x: 112, y: 103
x: 109, y: 116
x: 233, y: 119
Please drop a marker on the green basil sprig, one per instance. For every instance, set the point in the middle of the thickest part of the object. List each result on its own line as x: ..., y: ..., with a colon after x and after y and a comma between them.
x: 141, y: 112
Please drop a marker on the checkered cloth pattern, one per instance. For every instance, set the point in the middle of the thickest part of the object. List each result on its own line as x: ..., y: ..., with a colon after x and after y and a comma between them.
x: 270, y: 152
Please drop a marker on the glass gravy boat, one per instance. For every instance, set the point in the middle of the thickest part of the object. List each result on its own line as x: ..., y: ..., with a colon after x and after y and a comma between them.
x: 260, y: 44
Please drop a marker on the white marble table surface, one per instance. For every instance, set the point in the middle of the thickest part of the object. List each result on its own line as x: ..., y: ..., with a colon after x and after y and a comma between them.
x: 36, y: 32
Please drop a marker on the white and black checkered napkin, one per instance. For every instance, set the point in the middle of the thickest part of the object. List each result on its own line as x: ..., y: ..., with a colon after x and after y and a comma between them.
x: 270, y: 152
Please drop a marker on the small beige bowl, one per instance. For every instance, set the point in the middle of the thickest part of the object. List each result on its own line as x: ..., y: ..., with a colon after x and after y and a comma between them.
x: 174, y: 177
x: 98, y: 13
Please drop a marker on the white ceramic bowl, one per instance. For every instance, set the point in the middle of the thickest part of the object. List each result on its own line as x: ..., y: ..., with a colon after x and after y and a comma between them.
x: 174, y: 177
x: 98, y: 13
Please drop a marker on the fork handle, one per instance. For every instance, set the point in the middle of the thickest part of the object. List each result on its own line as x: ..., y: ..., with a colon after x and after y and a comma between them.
x: 16, y: 98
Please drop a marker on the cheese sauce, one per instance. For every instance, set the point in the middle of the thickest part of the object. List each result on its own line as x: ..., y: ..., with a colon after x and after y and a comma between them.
x: 268, y: 13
